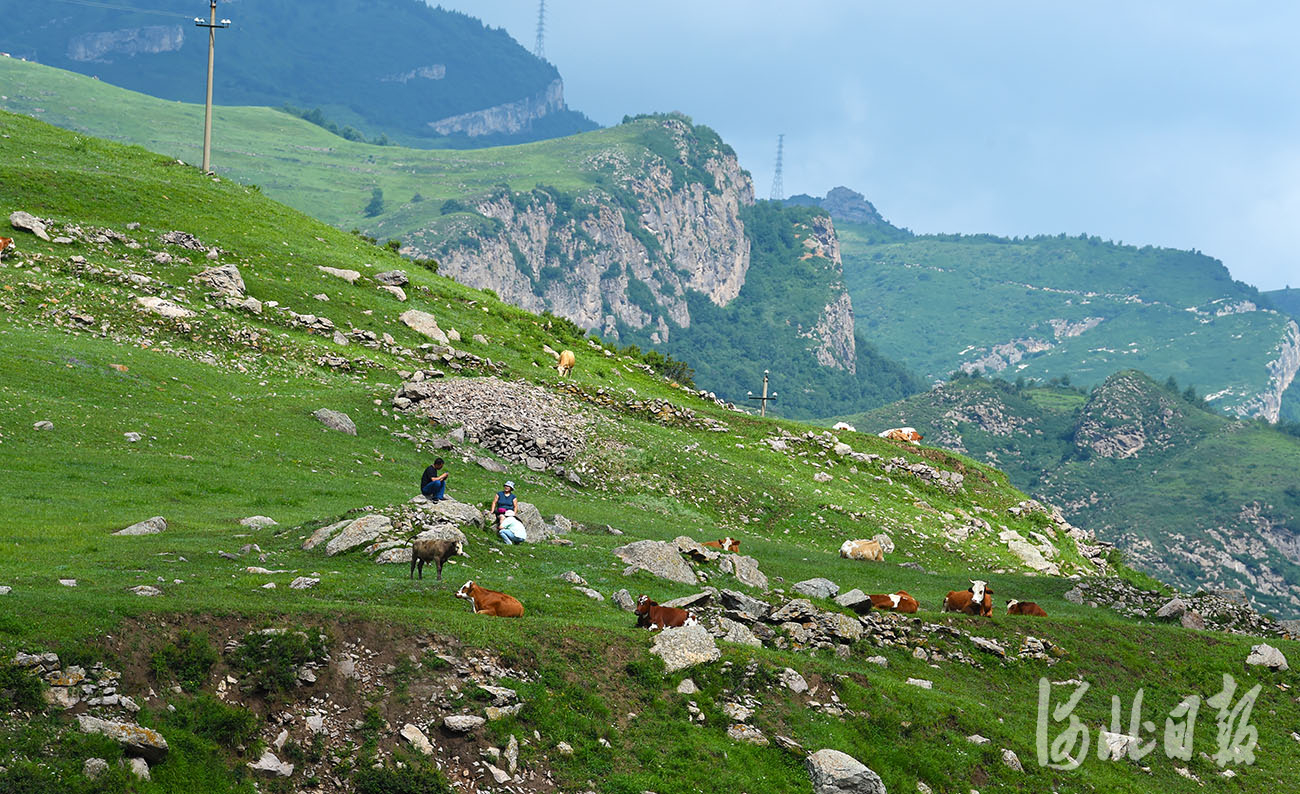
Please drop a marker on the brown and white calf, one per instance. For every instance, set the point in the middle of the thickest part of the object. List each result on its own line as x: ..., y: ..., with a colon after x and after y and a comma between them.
x: 726, y: 544
x: 436, y: 552
x: 978, y: 600
x: 894, y: 602
x: 1015, y: 607
x: 649, y: 615
x: 907, y: 434
x: 6, y: 245
x: 489, y: 602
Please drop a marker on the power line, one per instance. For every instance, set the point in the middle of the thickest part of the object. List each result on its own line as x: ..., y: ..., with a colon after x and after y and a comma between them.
x: 116, y: 7
x: 778, y: 187
x: 539, y: 48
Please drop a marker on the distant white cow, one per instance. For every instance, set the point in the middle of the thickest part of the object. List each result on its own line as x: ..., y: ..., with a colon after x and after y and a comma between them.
x: 844, y: 426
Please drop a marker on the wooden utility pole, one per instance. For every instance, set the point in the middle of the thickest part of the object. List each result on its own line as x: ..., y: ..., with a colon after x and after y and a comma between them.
x: 211, y: 24
x: 763, y: 401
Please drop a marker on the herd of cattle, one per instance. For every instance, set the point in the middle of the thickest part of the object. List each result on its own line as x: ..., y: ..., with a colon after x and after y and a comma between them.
x: 974, y: 600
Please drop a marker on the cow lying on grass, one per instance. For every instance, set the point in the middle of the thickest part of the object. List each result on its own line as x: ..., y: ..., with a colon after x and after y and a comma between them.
x: 726, y: 544
x: 1015, y: 607
x: 436, y: 552
x: 894, y: 602
x: 978, y: 600
x: 649, y: 615
x: 907, y: 434
x: 490, y: 602
x: 862, y: 550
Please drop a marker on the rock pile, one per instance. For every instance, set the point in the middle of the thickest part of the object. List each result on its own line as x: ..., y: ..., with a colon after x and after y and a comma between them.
x: 1203, y: 610
x: 680, y: 561
x: 97, y: 687
x: 516, y: 420
x: 828, y: 447
x: 656, y: 410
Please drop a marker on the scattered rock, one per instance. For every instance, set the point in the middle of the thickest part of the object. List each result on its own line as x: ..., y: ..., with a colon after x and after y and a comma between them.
x: 361, y: 531
x: 1192, y: 620
x: 729, y: 630
x: 746, y: 733
x: 1172, y: 610
x: 94, y: 767
x: 417, y: 739
x: 463, y: 723
x: 1074, y: 595
x: 146, y: 590
x: 400, y: 294
x: 743, y: 606
x: 304, y: 583
x: 393, y: 278
x: 350, y: 276
x: 589, y: 593
x: 1012, y: 760
x: 224, y: 279
x: 624, y: 600
x: 975, y: 738
x: 132, y: 437
x: 791, y: 680
x: 685, y: 646
x: 5, y: 590
x: 572, y: 577
x: 1265, y: 655
x: 424, y: 323
x: 833, y: 772
x: 135, y: 740
x: 687, y: 687
x: 818, y: 588
x: 921, y: 682
x: 258, y: 522
x: 271, y: 767
x: 336, y: 420
x: 744, y: 569
x: 150, y: 526
x: 68, y: 582
x: 44, y: 424
x: 29, y: 223
x: 491, y: 465
x: 657, y: 557
x: 139, y: 768
x: 163, y: 307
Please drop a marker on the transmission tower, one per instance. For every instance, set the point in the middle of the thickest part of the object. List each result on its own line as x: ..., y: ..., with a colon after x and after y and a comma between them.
x: 539, y: 48
x: 778, y: 189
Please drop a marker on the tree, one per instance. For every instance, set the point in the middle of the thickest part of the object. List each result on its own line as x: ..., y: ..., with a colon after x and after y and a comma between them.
x: 376, y: 205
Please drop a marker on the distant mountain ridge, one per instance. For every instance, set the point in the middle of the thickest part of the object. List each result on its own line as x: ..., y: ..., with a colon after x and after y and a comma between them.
x: 1196, y: 498
x: 400, y: 69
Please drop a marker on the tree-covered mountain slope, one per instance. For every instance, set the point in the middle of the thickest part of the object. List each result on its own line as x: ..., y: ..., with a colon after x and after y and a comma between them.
x: 646, y: 232
x: 1079, y: 307
x: 163, y: 354
x: 1194, y: 497
x: 397, y: 69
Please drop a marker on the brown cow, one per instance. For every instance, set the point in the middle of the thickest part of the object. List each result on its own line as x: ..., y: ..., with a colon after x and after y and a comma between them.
x: 975, y: 601
x: 862, y: 550
x: 726, y: 544
x: 894, y: 602
x: 908, y: 434
x: 436, y: 552
x: 567, y: 363
x: 1015, y: 607
x: 490, y: 602
x: 649, y: 615
x: 6, y: 245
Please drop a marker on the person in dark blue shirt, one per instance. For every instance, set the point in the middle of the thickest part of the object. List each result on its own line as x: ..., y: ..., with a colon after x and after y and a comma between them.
x: 503, y: 501
x: 433, y: 483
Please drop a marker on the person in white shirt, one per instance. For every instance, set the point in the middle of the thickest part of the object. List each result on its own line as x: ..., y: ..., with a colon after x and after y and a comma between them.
x: 512, y: 529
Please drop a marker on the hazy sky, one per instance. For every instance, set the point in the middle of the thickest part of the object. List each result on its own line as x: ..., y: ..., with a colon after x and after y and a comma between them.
x: 1170, y: 123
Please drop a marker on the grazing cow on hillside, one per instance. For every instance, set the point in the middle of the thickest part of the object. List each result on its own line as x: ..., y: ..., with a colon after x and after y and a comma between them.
x: 894, y: 602
x: 6, y: 245
x: 490, y: 602
x: 977, y: 600
x: 862, y: 550
x: 902, y: 434
x: 1015, y: 607
x: 726, y: 544
x: 844, y: 426
x: 436, y: 552
x: 649, y: 615
x: 567, y: 362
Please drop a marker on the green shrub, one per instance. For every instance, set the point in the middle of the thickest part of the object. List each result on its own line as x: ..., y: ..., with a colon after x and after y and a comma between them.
x: 19, y: 688
x: 415, y: 777
x: 218, y: 722
x: 270, y: 659
x: 187, y: 660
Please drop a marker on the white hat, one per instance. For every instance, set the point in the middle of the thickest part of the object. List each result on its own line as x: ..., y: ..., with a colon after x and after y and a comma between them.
x: 510, y: 514
x: 510, y: 483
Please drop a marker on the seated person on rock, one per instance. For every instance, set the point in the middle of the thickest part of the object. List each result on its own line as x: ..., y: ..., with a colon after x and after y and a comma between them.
x: 503, y: 501
x: 512, y: 529
x: 433, y: 484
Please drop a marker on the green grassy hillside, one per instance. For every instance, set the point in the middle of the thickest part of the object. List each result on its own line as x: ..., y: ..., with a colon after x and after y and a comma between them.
x: 222, y: 402
x: 1078, y: 307
x: 1193, y: 497
x: 377, y: 69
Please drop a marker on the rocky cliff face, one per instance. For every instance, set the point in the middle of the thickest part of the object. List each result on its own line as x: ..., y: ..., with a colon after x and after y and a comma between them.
x: 1281, y: 372
x: 1125, y: 417
x: 147, y: 40
x: 833, y: 334
x: 508, y: 118
x: 626, y: 256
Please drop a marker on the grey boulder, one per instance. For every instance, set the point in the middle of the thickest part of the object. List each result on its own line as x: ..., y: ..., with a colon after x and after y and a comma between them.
x: 833, y: 772
x: 150, y: 526
x: 336, y: 420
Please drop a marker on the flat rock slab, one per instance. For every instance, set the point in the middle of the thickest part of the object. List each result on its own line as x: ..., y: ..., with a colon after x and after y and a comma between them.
x: 225, y: 279
x: 745, y: 569
x: 135, y: 739
x: 163, y: 307
x: 336, y: 420
x: 685, y: 646
x: 817, y: 588
x: 350, y: 276
x: 364, y: 530
x: 29, y: 223
x: 258, y: 522
x: 417, y: 739
x: 150, y: 526
x: 463, y: 723
x: 425, y: 324
x: 269, y: 766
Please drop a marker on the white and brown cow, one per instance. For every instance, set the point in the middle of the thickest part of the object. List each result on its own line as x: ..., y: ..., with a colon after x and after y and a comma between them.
x: 725, y: 544
x: 649, y: 615
x: 490, y: 602
x: 862, y: 550
x: 894, y: 602
x: 977, y: 600
x: 6, y: 245
x: 1015, y: 607
x: 908, y: 434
